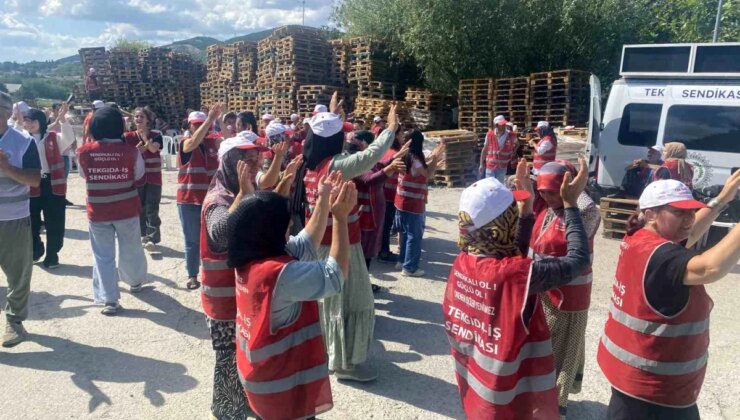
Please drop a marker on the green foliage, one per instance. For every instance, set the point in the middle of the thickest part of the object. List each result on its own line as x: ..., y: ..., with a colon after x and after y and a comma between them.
x: 131, y: 44
x: 3, y: 88
x: 67, y: 69
x: 457, y: 39
x: 43, y: 88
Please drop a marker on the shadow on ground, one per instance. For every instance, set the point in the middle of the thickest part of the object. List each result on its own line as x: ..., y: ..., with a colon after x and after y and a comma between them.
x: 89, y: 363
x: 590, y: 410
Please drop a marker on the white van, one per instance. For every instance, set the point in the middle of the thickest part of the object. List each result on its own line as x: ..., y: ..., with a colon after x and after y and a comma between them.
x: 676, y: 92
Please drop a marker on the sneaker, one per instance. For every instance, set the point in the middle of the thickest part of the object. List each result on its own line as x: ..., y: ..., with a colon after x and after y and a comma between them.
x: 389, y: 257
x: 14, y: 334
x: 417, y: 273
x: 68, y: 203
x: 51, y: 264
x: 359, y: 373
x: 136, y: 288
x: 149, y: 246
x: 376, y: 288
x: 110, y: 309
x: 399, y: 266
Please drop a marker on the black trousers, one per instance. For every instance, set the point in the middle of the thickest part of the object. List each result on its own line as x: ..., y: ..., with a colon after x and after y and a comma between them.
x: 149, y: 220
x: 624, y: 407
x: 54, y: 209
x: 390, y: 215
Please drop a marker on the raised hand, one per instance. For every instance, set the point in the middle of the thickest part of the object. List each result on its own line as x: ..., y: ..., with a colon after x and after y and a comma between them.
x: 521, y: 179
x: 293, y: 165
x: 345, y: 201
x: 392, y: 118
x: 246, y: 186
x: 335, y: 105
x: 62, y: 116
x: 729, y: 191
x: 403, y: 151
x: 215, y: 111
x: 281, y: 149
x: 573, y: 187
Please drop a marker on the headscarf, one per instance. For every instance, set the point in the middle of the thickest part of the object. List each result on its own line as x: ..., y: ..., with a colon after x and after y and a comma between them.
x: 495, y: 239
x: 256, y: 229
x: 106, y: 123
x: 677, y: 151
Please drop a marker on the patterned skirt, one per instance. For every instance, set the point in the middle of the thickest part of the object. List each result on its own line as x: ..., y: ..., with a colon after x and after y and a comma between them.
x: 229, y: 401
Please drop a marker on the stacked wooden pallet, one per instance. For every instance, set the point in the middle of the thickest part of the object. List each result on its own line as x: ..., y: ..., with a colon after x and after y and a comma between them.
x: 97, y: 58
x: 367, y: 108
x: 511, y: 99
x: 369, y: 60
x: 124, y: 65
x: 614, y: 215
x: 560, y: 97
x: 475, y: 102
x: 339, y: 62
x: 246, y: 56
x: 429, y: 110
x: 311, y: 95
x: 457, y: 167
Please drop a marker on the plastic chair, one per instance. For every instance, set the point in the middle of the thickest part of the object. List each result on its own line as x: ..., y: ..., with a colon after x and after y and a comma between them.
x: 167, y: 151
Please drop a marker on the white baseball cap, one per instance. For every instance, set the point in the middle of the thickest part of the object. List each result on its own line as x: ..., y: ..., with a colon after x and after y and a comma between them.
x: 274, y: 128
x: 98, y: 104
x: 196, y: 117
x: 377, y: 119
x: 658, y: 148
x: 500, y: 120
x: 320, y: 108
x: 244, y: 141
x: 268, y: 117
x: 294, y: 117
x: 669, y: 192
x: 326, y: 124
x: 487, y: 199
x: 541, y: 124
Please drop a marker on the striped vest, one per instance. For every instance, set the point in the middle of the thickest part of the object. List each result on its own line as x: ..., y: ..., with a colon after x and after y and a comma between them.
x: 391, y: 182
x: 643, y: 353
x: 194, y: 177
x: 311, y: 182
x: 111, y: 187
x: 284, y: 371
x: 365, y: 206
x: 672, y: 166
x: 504, y: 365
x: 411, y: 194
x: 217, y: 279
x: 152, y: 160
x: 500, y: 157
x: 55, y: 161
x: 14, y: 195
x: 539, y: 160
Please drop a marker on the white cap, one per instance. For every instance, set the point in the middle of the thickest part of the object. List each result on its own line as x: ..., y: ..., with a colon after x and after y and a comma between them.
x: 658, y: 148
x: 97, y: 104
x: 274, y: 128
x: 244, y: 140
x: 21, y: 107
x: 499, y: 120
x: 377, y: 119
x: 294, y: 117
x: 326, y: 124
x: 197, y: 117
x: 320, y: 108
x: 541, y: 124
x: 487, y: 199
x: 306, y: 120
x: 268, y: 117
x: 669, y: 192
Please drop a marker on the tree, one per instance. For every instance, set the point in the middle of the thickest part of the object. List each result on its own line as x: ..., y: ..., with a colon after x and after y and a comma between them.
x: 130, y: 44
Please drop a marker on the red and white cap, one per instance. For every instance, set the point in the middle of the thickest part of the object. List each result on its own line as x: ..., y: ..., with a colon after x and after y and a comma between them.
x: 326, y: 124
x: 274, y: 128
x: 197, y: 117
x: 500, y: 120
x: 267, y: 117
x: 246, y: 140
x: 669, y: 192
x: 487, y: 199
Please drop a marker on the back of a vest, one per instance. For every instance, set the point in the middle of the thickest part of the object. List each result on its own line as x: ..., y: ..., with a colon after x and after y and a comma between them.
x: 13, y: 195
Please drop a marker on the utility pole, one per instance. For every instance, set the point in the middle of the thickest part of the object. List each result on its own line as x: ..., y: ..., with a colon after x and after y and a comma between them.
x: 716, y: 22
x: 303, y: 2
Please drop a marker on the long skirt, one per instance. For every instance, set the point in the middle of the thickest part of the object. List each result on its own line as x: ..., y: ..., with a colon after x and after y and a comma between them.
x: 568, y: 330
x: 348, y: 318
x: 229, y: 400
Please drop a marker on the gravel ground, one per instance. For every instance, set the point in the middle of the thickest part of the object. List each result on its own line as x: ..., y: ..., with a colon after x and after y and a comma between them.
x: 154, y: 360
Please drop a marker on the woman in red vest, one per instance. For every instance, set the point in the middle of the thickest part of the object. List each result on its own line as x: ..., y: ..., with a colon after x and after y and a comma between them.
x: 197, y: 161
x: 493, y: 317
x: 546, y: 148
x: 280, y: 355
x: 149, y: 143
x: 675, y: 165
x: 654, y: 348
x: 389, y: 190
x: 566, y: 307
x: 411, y: 198
x: 50, y: 196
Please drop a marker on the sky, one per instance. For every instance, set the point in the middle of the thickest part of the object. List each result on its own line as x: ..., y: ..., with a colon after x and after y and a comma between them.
x: 53, y: 29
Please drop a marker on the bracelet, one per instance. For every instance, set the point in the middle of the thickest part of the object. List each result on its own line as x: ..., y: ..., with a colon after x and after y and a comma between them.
x: 715, y: 204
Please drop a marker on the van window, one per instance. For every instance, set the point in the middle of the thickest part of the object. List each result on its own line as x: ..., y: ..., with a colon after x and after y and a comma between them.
x: 708, y: 128
x: 639, y: 125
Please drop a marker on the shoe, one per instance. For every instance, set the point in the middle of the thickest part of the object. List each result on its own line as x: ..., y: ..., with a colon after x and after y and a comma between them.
x: 376, y: 288
x: 110, y: 309
x: 51, y: 265
x: 389, y: 257
x: 417, y: 273
x: 68, y: 203
x: 399, y: 266
x: 14, y: 334
x: 359, y: 373
x: 149, y: 246
x: 136, y: 288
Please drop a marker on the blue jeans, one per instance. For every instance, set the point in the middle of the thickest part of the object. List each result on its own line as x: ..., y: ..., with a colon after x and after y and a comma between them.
x: 499, y: 174
x: 411, y: 229
x: 67, y: 165
x: 132, y: 266
x: 190, y: 222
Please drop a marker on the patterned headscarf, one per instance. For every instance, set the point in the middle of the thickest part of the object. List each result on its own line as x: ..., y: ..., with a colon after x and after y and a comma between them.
x: 495, y: 239
x: 677, y: 151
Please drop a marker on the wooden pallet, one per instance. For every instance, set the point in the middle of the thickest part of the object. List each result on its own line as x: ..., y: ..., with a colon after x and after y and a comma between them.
x: 615, y: 213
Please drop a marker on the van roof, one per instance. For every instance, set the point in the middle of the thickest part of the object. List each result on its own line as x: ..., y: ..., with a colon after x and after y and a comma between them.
x: 691, y: 60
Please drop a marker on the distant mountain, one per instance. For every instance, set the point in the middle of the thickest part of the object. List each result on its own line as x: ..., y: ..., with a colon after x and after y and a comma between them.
x: 255, y: 36
x: 199, y: 42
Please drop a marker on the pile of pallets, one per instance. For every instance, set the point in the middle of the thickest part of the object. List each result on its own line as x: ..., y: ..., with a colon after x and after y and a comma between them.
x: 614, y: 215
x: 560, y: 97
x: 457, y: 166
x: 311, y: 95
x: 429, y: 110
x: 97, y: 58
x: 369, y: 60
x: 232, y: 76
x: 475, y: 100
x: 511, y: 99
x: 124, y: 65
x: 339, y: 62
x: 367, y: 108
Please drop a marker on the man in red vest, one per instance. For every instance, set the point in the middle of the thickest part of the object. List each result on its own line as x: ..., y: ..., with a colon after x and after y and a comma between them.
x: 112, y: 171
x: 499, y: 150
x: 545, y: 149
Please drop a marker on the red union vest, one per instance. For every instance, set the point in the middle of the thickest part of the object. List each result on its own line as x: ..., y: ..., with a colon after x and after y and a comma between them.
x: 311, y: 182
x: 540, y: 160
x: 109, y: 173
x: 194, y: 177
x: 576, y: 295
x: 411, y: 194
x: 217, y: 295
x: 644, y: 354
x: 504, y: 367
x: 55, y: 161
x: 391, y: 182
x: 284, y: 372
x: 500, y: 157
x: 365, y: 206
x: 152, y: 161
x: 672, y: 167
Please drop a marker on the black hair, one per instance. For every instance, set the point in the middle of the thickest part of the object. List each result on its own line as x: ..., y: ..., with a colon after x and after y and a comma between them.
x: 38, y: 115
x: 415, y: 149
x: 247, y: 119
x: 229, y: 116
x: 256, y: 229
x: 107, y: 123
x: 365, y: 136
